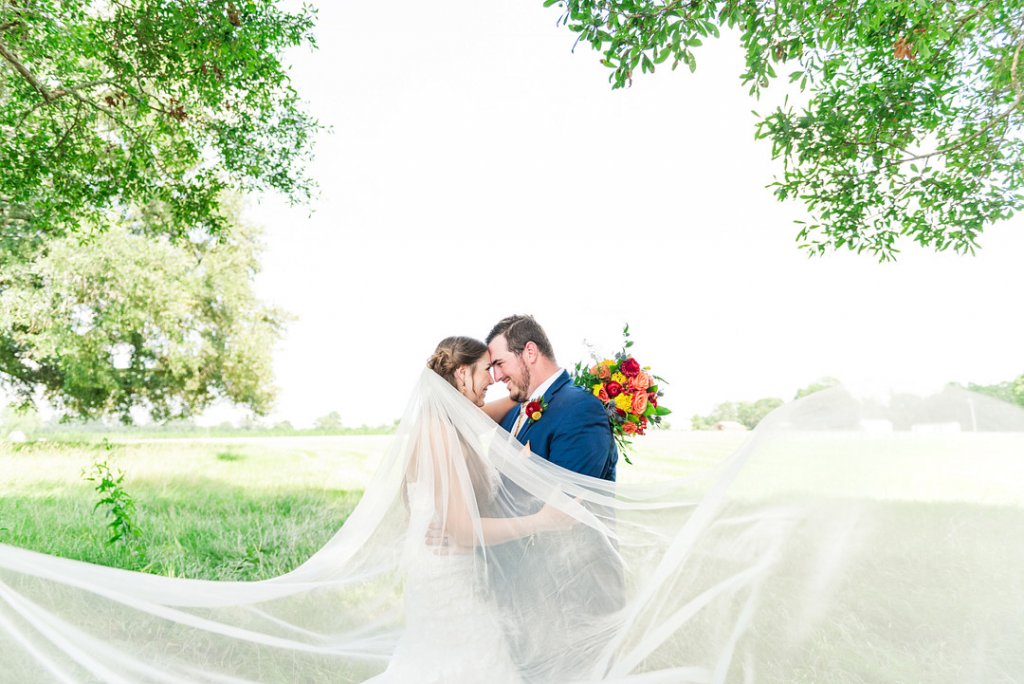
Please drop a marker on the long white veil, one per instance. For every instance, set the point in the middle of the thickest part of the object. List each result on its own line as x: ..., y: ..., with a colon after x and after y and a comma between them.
x: 845, y: 541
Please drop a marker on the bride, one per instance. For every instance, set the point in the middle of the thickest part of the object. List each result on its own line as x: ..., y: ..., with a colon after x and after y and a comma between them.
x: 452, y: 495
x: 844, y: 541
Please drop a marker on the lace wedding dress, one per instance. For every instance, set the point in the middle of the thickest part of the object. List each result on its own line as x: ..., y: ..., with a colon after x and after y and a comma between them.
x: 846, y: 541
x: 447, y: 610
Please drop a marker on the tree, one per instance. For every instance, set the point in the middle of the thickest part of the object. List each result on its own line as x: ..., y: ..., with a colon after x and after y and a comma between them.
x: 910, y: 114
x: 822, y: 384
x: 721, y: 412
x: 749, y: 413
x: 332, y: 421
x: 1012, y: 391
x: 106, y: 107
x: 113, y: 322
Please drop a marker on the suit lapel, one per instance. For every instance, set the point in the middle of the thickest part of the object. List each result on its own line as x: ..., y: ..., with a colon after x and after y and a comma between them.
x: 561, y: 381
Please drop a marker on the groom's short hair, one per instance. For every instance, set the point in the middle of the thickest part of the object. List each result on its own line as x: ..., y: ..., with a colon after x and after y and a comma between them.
x: 520, y: 329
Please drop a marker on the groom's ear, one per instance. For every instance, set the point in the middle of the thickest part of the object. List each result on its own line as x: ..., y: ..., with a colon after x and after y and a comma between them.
x: 530, y: 351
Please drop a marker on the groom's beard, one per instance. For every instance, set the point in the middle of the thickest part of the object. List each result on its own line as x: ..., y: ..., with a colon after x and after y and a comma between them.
x: 520, y: 393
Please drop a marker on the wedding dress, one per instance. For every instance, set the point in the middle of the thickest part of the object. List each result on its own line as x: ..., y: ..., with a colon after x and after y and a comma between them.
x: 447, y: 611
x: 845, y: 541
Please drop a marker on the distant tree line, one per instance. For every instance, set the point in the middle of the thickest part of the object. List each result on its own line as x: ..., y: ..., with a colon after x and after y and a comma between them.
x: 750, y: 413
x: 1011, y: 391
x: 29, y: 423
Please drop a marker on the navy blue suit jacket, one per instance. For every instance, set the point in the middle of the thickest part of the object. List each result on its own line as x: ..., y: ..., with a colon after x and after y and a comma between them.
x: 573, y: 432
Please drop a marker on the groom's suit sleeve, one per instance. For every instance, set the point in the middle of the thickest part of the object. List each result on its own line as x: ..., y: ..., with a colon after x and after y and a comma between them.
x: 583, y: 440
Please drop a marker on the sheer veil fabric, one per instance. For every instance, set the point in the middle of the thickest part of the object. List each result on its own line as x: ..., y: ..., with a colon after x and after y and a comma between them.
x: 845, y: 541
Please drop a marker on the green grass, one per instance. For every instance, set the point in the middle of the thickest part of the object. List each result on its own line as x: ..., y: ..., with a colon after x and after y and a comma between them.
x: 214, y: 509
x: 230, y: 508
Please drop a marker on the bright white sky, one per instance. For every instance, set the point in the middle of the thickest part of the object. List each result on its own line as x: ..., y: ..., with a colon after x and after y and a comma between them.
x: 476, y: 167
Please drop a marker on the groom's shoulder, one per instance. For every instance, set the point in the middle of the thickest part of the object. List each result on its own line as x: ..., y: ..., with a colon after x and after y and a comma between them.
x: 578, y: 397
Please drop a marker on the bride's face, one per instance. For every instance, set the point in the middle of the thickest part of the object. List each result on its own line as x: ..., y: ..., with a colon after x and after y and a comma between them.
x: 476, y: 378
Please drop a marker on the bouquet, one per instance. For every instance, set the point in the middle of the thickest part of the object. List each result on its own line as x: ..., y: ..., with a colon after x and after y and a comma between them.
x: 630, y: 393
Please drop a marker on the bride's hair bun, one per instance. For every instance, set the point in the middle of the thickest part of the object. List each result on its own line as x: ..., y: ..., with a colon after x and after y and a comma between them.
x: 453, y: 352
x: 442, y: 362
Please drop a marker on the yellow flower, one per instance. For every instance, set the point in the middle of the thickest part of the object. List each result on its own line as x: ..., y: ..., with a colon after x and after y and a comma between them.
x: 535, y: 416
x: 624, y: 402
x: 607, y: 362
x: 597, y: 388
x: 619, y: 378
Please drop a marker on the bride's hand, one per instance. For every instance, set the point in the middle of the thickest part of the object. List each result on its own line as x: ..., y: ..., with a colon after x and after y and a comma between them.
x: 435, y: 536
x: 551, y: 519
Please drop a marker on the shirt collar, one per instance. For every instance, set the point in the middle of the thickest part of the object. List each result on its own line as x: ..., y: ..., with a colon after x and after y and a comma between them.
x: 544, y: 386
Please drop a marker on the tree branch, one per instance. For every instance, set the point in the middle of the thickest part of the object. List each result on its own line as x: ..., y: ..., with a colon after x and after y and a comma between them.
x: 69, y: 129
x: 25, y: 73
x: 1002, y: 116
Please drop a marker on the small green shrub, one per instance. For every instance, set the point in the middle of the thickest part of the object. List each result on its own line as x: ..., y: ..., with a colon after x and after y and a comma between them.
x: 120, y: 505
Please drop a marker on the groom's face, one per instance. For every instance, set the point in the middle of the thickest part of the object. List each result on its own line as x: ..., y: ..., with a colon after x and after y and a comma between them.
x: 509, y: 368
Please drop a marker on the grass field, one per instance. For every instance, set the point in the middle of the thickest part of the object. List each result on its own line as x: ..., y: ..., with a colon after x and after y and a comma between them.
x: 207, y: 508
x: 942, y: 583
x: 231, y: 508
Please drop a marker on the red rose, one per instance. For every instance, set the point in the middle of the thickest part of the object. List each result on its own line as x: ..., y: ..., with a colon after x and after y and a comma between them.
x: 614, y: 389
x: 533, y: 410
x: 630, y: 366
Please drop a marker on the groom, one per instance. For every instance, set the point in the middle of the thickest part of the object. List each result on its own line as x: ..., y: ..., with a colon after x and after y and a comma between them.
x: 573, y: 429
x: 561, y: 590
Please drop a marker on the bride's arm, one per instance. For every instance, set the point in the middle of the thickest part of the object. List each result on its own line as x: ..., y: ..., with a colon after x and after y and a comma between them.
x: 463, y: 525
x: 499, y: 408
x: 501, y: 530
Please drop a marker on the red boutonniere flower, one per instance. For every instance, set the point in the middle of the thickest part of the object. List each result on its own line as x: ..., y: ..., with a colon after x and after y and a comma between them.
x: 535, y: 409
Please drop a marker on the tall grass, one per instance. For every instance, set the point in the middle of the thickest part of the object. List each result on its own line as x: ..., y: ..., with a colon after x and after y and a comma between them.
x: 214, y: 509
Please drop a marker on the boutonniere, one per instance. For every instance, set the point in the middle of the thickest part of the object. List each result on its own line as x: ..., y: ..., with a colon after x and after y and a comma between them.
x: 535, y: 409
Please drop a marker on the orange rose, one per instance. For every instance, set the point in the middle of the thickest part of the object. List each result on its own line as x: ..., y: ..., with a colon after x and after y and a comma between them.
x: 602, y: 394
x: 595, y: 370
x: 641, y: 382
x: 639, y: 403
x: 629, y: 428
x: 603, y: 372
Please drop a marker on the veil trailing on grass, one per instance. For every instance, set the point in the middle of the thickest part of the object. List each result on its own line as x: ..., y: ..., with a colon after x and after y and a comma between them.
x: 845, y: 541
